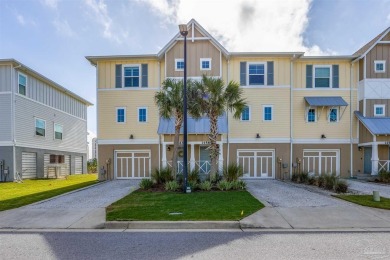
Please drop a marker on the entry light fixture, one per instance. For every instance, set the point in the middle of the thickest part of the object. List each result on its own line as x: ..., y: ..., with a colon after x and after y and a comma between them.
x: 360, y: 148
x: 169, y: 148
x: 257, y: 135
x: 131, y: 136
x: 323, y: 136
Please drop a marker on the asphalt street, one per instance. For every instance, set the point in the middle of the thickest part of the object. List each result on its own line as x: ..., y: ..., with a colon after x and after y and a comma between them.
x: 206, y: 244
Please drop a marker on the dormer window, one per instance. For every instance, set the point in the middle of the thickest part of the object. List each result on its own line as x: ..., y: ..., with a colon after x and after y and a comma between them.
x: 380, y: 66
x: 379, y: 110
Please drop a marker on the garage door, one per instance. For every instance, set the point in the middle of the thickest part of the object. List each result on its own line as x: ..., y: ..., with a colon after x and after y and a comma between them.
x: 132, y: 164
x: 257, y: 163
x: 78, y: 164
x: 29, y: 165
x: 321, y: 161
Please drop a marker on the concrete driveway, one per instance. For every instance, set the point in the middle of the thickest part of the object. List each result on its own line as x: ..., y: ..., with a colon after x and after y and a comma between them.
x: 289, y: 206
x: 79, y: 209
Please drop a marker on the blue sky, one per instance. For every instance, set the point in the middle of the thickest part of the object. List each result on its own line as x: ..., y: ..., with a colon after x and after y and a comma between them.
x: 54, y: 36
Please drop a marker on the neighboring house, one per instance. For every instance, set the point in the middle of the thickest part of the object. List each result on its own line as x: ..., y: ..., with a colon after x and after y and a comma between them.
x: 43, y: 130
x: 300, y: 114
x: 94, y: 148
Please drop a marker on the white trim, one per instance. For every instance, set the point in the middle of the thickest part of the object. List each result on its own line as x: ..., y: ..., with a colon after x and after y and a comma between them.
x: 43, y: 147
x: 255, y: 169
x: 128, y: 88
x: 6, y: 93
x: 49, y: 106
x: 176, y: 61
x: 139, y: 76
x: 146, y: 109
x: 149, y: 167
x: 24, y: 75
x: 35, y: 126
x: 373, y: 45
x: 265, y: 87
x: 330, y: 76
x: 380, y: 62
x: 259, y: 140
x: 265, y: 72
x: 327, y: 89
x: 116, y: 115
x: 323, y: 141
x: 249, y: 119
x: 337, y: 115
x: 320, y: 151
x: 272, y: 113
x: 383, y: 106
x: 6, y: 143
x: 127, y: 141
x: 384, y: 42
x: 54, y: 131
x: 194, y: 39
x: 205, y: 59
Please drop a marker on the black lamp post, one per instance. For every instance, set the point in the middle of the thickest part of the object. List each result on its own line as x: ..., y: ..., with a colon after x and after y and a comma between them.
x: 184, y: 32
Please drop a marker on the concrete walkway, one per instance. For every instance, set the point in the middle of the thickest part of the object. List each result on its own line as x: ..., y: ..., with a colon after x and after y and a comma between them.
x: 368, y: 188
x: 80, y: 209
x: 288, y: 206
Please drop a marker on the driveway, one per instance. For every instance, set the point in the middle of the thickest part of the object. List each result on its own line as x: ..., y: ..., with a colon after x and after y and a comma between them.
x: 79, y: 209
x: 368, y: 188
x: 289, y: 206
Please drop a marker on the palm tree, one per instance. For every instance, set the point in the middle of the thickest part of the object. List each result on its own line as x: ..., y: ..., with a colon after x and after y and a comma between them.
x: 211, y: 97
x: 170, y: 103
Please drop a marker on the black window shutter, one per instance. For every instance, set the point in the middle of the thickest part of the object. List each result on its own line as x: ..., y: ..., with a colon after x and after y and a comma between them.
x: 335, y: 76
x: 243, y: 73
x: 118, y: 76
x: 144, y: 71
x: 270, y: 73
x: 309, y: 76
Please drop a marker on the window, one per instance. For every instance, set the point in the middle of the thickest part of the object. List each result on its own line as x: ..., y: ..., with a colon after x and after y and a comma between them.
x: 267, y: 113
x: 131, y: 76
x: 256, y: 74
x: 380, y: 66
x: 40, y: 127
x: 142, y: 114
x: 333, y: 115
x: 22, y: 80
x: 379, y: 110
x: 245, y: 115
x: 205, y: 64
x: 311, y: 115
x: 121, y: 115
x: 179, y: 64
x: 322, y: 77
x: 58, y: 131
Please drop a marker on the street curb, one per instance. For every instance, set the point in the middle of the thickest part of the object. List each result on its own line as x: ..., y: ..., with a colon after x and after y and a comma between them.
x: 172, y: 225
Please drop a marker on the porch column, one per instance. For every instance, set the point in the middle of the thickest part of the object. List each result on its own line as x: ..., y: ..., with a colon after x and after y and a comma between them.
x: 220, y: 158
x: 374, y: 158
x: 192, y: 159
x: 164, y: 155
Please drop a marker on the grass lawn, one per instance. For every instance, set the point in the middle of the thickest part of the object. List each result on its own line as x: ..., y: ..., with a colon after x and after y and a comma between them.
x: 14, y: 195
x: 366, y: 200
x: 214, y: 205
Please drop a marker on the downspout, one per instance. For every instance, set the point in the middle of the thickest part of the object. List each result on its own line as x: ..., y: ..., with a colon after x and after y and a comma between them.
x: 350, y: 119
x: 158, y: 115
x: 13, y: 69
x: 227, y: 120
x: 291, y: 114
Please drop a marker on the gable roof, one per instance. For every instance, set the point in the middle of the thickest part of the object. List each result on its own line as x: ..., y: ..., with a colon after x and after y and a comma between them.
x: 366, y: 48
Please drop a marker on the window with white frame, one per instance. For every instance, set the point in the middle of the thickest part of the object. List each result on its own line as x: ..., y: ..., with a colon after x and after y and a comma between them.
x: 333, y: 115
x: 322, y: 76
x: 40, y: 127
x: 22, y: 84
x: 179, y: 64
x: 121, y: 115
x: 380, y: 66
x: 205, y: 64
x: 311, y: 115
x: 379, y: 110
x: 246, y: 114
x: 58, y: 129
x: 131, y: 76
x: 267, y: 113
x: 256, y: 74
x: 142, y: 114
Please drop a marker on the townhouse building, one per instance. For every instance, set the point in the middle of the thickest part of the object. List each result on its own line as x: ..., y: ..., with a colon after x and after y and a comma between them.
x: 43, y: 129
x: 323, y: 114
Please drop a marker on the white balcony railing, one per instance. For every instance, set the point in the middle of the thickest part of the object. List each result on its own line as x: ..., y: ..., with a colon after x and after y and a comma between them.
x: 384, y: 165
x: 203, y: 167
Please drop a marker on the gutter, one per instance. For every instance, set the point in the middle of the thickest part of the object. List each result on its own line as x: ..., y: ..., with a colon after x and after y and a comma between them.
x: 350, y: 119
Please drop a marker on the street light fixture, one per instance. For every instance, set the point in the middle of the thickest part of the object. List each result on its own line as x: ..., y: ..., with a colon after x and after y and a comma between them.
x: 184, y: 32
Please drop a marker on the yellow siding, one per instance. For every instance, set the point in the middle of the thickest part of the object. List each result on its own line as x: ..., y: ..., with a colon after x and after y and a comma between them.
x: 106, y: 72
x: 256, y: 98
x: 108, y: 128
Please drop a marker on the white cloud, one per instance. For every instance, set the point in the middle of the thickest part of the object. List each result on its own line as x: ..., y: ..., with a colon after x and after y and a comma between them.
x: 50, y: 3
x: 63, y: 28
x: 20, y: 19
x: 245, y: 25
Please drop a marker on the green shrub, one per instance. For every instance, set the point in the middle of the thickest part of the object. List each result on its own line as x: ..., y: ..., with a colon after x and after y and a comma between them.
x: 162, y: 176
x: 238, y: 185
x: 330, y: 181
x: 232, y: 172
x: 341, y: 186
x: 321, y: 181
x: 192, y: 184
x: 311, y: 180
x: 224, y: 185
x: 180, y: 178
x: 295, y: 177
x: 193, y: 176
x: 206, y: 185
x: 146, y: 184
x: 172, y: 186
x: 303, y: 177
x: 384, y: 177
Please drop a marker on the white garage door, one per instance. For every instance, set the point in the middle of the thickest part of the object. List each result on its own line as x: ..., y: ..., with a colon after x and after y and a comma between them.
x: 132, y: 164
x: 29, y: 165
x: 257, y: 163
x: 78, y: 164
x: 321, y: 161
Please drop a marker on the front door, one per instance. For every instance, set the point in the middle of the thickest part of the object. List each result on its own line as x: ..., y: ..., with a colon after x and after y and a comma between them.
x: 367, y: 160
x: 204, y: 160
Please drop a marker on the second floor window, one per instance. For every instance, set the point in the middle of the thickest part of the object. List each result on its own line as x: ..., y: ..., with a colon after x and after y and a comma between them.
x: 333, y: 115
x: 379, y: 110
x: 40, y: 127
x: 120, y: 115
x: 245, y: 115
x: 22, y: 81
x: 57, y: 131
x: 179, y: 64
x: 311, y: 115
x: 379, y: 66
x: 131, y: 76
x: 322, y: 77
x: 267, y: 113
x: 256, y: 74
x: 205, y: 64
x: 142, y: 114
